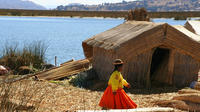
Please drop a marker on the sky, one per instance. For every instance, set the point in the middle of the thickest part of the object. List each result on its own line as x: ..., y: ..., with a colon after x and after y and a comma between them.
x: 55, y: 3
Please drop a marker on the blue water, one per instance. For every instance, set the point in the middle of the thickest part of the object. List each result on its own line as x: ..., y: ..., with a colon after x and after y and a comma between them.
x: 63, y: 36
x: 170, y: 21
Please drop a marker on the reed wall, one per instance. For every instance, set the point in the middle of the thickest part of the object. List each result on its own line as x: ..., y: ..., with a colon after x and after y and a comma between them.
x: 185, y: 70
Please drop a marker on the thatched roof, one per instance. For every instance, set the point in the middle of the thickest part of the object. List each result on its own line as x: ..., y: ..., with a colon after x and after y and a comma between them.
x: 116, y: 36
x: 137, y: 37
x: 193, y: 26
x: 193, y: 36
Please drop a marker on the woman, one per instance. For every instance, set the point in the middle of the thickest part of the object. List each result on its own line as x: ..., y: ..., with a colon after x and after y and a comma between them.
x: 114, y: 96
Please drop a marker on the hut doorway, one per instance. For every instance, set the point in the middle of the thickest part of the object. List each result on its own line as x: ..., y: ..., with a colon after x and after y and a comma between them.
x: 159, y: 66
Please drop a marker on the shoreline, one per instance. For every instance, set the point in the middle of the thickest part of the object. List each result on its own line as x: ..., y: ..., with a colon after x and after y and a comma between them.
x: 64, y: 17
x: 97, y: 17
x: 79, y: 17
x: 101, y: 14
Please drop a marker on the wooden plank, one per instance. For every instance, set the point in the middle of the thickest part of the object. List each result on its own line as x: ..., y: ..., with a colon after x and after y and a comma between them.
x: 18, y: 78
x: 66, y: 67
x: 67, y: 62
x: 65, y: 70
x: 65, y: 74
x: 70, y: 69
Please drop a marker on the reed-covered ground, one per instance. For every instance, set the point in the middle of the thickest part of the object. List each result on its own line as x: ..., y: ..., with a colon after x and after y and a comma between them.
x: 59, y: 96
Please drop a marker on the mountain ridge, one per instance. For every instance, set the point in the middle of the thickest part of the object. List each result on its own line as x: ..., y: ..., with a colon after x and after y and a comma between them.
x: 150, y: 5
x: 20, y: 4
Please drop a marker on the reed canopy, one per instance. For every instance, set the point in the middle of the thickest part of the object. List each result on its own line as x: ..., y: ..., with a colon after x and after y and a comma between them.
x: 193, y: 26
x: 153, y: 53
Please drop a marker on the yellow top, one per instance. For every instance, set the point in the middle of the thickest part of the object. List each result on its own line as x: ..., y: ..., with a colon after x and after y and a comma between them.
x: 117, y: 81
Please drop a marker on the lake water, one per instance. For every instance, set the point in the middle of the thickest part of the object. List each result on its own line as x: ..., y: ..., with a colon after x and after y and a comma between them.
x: 63, y: 36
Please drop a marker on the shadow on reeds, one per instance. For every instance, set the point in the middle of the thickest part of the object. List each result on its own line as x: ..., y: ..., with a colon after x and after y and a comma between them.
x: 153, y: 90
x: 31, y: 55
x: 91, y: 82
x: 101, y: 86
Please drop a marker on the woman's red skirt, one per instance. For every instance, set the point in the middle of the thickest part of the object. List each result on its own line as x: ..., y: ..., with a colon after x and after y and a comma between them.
x: 118, y: 101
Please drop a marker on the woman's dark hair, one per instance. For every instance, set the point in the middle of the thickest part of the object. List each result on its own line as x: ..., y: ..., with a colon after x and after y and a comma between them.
x: 117, y: 67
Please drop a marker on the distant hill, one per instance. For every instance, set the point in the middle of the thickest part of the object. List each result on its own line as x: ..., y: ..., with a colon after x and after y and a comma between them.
x: 150, y: 5
x: 19, y: 4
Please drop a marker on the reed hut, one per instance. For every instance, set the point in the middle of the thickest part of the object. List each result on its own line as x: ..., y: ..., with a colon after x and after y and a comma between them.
x: 154, y: 53
x: 193, y: 26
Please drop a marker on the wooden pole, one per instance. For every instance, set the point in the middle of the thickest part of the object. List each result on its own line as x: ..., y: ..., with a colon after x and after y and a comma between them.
x: 171, y: 67
x: 55, y: 60
x: 18, y: 78
x: 148, y: 75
